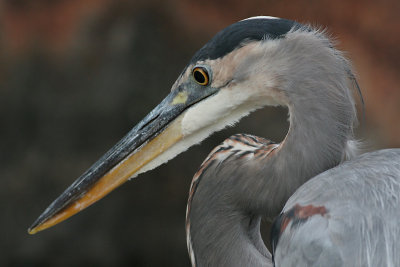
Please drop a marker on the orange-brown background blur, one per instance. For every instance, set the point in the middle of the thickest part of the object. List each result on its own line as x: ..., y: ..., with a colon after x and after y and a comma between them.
x: 76, y: 75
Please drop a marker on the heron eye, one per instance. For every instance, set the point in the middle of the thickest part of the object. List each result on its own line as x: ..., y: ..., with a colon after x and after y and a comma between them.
x: 200, y: 75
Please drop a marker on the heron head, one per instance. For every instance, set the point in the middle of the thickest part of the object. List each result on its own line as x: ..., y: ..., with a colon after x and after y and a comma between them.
x: 224, y: 81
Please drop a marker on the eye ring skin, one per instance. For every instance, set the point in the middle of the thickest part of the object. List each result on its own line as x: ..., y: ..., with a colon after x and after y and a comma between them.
x: 204, y: 71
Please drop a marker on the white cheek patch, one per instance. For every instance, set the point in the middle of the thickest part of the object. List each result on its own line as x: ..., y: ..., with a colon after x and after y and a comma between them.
x: 224, y: 109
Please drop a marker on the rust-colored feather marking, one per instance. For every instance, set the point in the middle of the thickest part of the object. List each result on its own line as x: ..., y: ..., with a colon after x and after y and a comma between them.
x: 299, y: 214
x: 296, y: 215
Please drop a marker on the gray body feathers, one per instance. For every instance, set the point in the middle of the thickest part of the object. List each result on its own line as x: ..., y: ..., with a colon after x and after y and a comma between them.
x: 361, y: 224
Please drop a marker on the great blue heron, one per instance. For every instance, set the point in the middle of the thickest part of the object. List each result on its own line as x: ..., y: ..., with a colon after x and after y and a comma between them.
x: 346, y: 215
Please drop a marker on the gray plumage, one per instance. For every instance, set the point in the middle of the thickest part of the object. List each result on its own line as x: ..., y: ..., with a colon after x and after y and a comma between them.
x: 233, y: 192
x: 361, y: 224
x: 346, y: 215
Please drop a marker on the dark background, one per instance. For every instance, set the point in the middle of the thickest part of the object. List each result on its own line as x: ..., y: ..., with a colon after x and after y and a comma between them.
x: 76, y: 75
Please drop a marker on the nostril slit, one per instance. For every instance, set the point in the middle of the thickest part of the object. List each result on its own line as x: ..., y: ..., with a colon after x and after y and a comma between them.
x: 149, y: 122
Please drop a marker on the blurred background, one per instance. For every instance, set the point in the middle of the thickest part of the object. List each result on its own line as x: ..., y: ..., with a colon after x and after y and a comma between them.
x: 76, y: 75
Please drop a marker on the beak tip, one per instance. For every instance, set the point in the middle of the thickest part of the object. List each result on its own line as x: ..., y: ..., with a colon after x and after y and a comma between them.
x: 32, y: 231
x: 35, y: 227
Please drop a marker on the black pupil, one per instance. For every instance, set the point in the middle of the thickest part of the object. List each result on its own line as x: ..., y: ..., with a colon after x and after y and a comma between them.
x: 199, y: 77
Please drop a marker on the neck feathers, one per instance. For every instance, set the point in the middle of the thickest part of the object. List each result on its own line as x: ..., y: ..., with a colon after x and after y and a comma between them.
x: 314, y: 81
x: 321, y: 112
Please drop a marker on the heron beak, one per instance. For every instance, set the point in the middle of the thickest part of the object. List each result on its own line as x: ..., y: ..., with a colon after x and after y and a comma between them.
x: 149, y: 139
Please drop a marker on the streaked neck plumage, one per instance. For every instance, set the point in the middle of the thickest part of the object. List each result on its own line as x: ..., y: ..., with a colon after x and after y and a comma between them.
x: 219, y: 233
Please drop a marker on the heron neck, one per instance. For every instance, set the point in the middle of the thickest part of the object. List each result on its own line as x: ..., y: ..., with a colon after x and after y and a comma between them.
x: 317, y: 140
x: 227, y: 238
